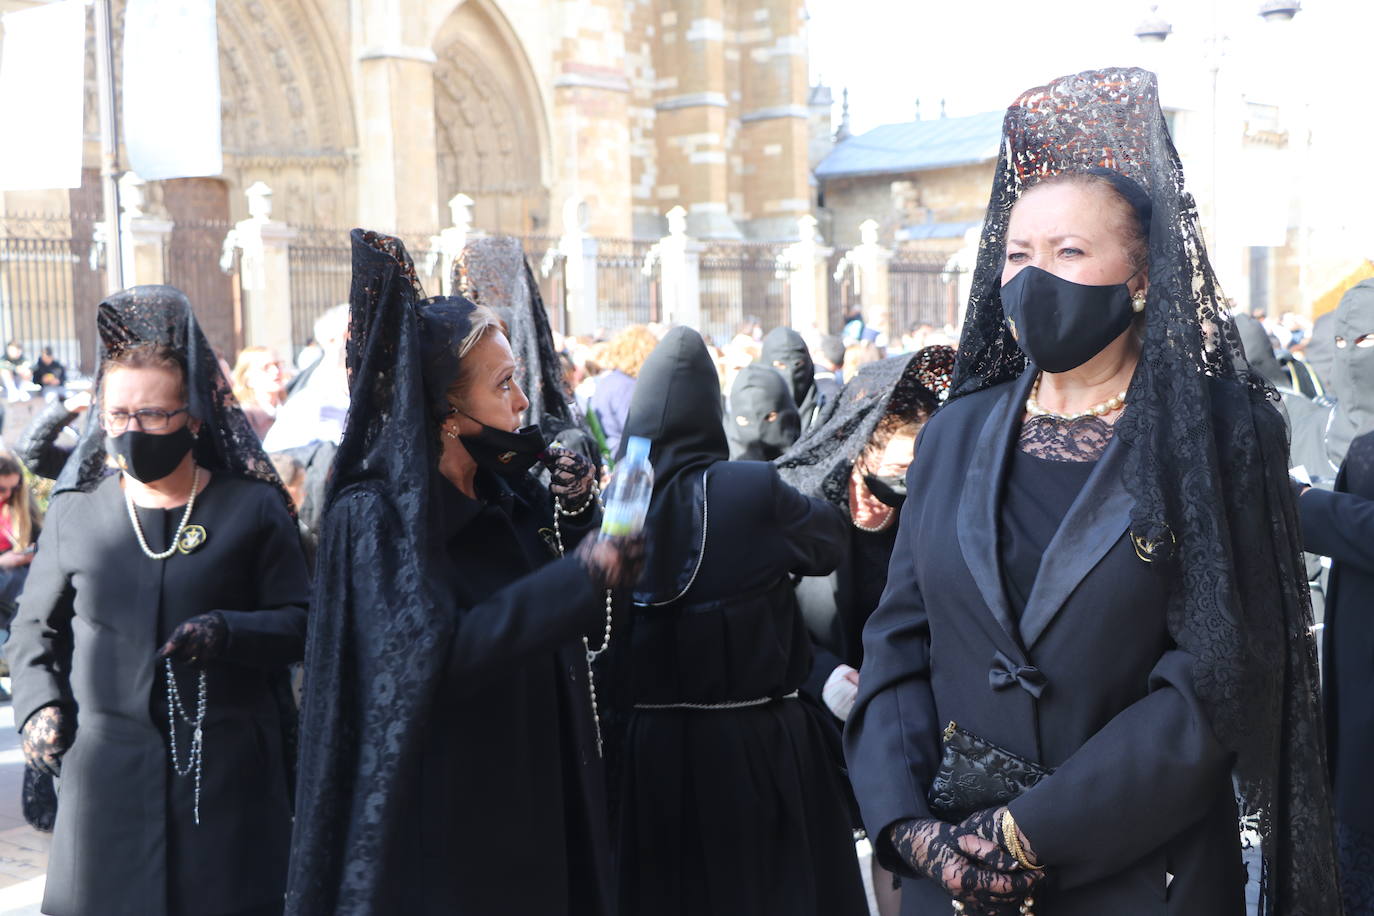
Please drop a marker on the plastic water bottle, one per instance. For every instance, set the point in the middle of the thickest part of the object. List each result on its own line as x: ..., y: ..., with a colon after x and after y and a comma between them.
x: 627, y: 499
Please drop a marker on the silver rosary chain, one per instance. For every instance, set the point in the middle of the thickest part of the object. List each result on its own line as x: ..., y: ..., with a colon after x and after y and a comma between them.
x: 591, y: 654
x: 181, y: 528
x: 177, y: 711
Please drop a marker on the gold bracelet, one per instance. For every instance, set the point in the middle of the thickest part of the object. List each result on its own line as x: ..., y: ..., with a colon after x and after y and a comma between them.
x: 1012, y: 838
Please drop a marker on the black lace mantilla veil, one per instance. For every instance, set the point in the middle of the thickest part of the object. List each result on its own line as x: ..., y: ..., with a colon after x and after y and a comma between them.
x: 162, y: 315
x: 378, y: 638
x: 493, y: 271
x: 820, y: 462
x: 1213, y: 502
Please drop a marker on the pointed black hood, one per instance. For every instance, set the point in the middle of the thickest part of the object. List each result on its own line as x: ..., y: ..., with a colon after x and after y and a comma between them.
x: 785, y: 350
x: 676, y: 405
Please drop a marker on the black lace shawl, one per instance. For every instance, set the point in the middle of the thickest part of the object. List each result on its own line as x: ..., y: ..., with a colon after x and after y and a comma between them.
x: 910, y: 386
x: 1210, y: 498
x: 378, y: 638
x: 493, y: 271
x: 162, y: 315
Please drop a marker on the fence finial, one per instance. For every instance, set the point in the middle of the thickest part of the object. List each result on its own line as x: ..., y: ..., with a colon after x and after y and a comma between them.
x: 677, y: 221
x: 460, y: 211
x: 259, y: 201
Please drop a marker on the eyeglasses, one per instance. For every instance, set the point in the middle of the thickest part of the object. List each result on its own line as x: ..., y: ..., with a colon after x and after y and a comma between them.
x: 150, y: 419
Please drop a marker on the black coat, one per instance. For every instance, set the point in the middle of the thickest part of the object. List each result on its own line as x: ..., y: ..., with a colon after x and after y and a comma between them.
x: 1340, y: 525
x: 738, y: 808
x: 91, y: 620
x: 1142, y: 788
x: 511, y: 803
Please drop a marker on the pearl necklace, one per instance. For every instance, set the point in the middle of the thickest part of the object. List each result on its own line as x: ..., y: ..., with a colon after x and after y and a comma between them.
x: 185, y: 517
x: 1097, y: 410
x: 881, y: 526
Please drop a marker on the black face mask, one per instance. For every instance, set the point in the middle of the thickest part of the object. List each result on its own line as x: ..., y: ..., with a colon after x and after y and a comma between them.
x: 1060, y: 324
x: 506, y: 453
x: 147, y: 457
x: 888, y: 490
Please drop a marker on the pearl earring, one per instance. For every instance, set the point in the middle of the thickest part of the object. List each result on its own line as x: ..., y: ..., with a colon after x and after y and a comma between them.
x: 1138, y: 301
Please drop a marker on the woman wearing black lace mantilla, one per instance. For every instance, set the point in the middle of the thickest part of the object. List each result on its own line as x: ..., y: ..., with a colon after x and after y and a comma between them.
x: 451, y: 738
x: 166, y: 599
x: 1057, y: 693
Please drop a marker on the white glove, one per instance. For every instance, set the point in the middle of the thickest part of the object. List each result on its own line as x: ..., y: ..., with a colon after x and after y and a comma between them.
x: 840, y: 691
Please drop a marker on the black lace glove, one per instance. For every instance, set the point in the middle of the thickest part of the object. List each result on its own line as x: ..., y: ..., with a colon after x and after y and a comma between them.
x: 571, y: 478
x: 988, y: 825
x: 612, y: 562
x: 45, y: 738
x: 197, y: 641
x: 974, y: 871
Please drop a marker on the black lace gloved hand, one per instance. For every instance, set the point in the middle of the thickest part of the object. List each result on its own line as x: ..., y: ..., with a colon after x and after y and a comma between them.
x: 571, y: 478
x: 197, y: 641
x: 988, y: 825
x: 973, y: 870
x: 612, y: 562
x: 45, y: 738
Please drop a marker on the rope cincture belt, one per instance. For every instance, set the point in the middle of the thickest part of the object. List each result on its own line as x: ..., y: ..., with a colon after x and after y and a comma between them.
x: 733, y: 704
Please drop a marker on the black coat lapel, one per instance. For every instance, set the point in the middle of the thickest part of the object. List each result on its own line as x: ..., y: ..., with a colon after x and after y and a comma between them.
x: 980, y: 501
x: 1098, y: 517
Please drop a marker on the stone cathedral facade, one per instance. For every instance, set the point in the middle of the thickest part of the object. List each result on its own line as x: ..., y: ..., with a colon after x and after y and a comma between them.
x: 607, y: 112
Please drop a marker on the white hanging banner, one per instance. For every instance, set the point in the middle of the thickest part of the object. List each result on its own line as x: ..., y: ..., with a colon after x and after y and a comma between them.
x: 171, y: 121
x: 42, y: 97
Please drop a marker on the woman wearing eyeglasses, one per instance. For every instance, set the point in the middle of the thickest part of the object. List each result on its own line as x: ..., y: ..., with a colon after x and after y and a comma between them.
x: 149, y: 652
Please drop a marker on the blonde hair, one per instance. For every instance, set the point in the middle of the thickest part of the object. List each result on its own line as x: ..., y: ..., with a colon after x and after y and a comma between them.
x: 238, y: 379
x: 858, y: 355
x: 628, y: 350
x: 19, y: 510
x: 484, y: 322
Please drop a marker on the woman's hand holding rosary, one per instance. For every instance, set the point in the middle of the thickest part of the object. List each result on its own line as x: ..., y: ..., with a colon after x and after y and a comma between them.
x: 197, y: 641
x: 975, y: 870
x: 572, y: 479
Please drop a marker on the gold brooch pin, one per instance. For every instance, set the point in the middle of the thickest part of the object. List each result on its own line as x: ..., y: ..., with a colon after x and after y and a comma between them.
x: 192, y: 539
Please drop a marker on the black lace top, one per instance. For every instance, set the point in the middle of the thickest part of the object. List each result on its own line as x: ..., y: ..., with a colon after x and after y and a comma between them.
x: 1052, y: 462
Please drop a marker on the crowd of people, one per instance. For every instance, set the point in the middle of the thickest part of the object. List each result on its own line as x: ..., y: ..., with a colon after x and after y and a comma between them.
x: 1027, y: 612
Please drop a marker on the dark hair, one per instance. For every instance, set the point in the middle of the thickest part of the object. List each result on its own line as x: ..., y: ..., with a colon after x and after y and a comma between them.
x: 1133, y: 224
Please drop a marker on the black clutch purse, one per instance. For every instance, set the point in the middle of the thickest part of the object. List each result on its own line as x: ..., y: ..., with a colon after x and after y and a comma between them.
x: 976, y: 774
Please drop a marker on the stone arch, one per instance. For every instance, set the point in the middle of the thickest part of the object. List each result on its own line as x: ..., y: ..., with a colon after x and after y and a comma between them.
x: 287, y: 110
x: 491, y: 133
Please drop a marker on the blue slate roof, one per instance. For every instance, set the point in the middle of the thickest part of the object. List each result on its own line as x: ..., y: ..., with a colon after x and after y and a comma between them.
x: 916, y: 146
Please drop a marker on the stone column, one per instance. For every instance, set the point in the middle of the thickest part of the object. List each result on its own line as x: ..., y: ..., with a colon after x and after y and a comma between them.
x: 591, y: 114
x: 579, y: 272
x: 809, y: 287
x: 145, y: 235
x: 870, y: 260
x: 393, y: 91
x: 679, y: 265
x: 774, y: 131
x: 265, y: 269
x: 692, y: 115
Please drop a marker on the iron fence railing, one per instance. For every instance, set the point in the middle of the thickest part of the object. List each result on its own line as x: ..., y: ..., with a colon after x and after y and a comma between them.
x: 922, y: 289
x: 742, y: 282
x: 193, y: 263
x: 625, y: 293
x: 51, y: 278
x: 321, y: 271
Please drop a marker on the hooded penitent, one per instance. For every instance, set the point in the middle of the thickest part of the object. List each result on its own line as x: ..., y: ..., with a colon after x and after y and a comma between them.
x: 1259, y: 350
x: 1321, y: 349
x: 1352, y: 370
x: 1239, y: 603
x: 910, y: 386
x: 162, y: 315
x: 785, y: 350
x: 762, y: 421
x: 372, y: 674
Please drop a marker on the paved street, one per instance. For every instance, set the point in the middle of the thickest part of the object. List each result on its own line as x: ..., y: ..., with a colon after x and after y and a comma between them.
x: 23, y: 850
